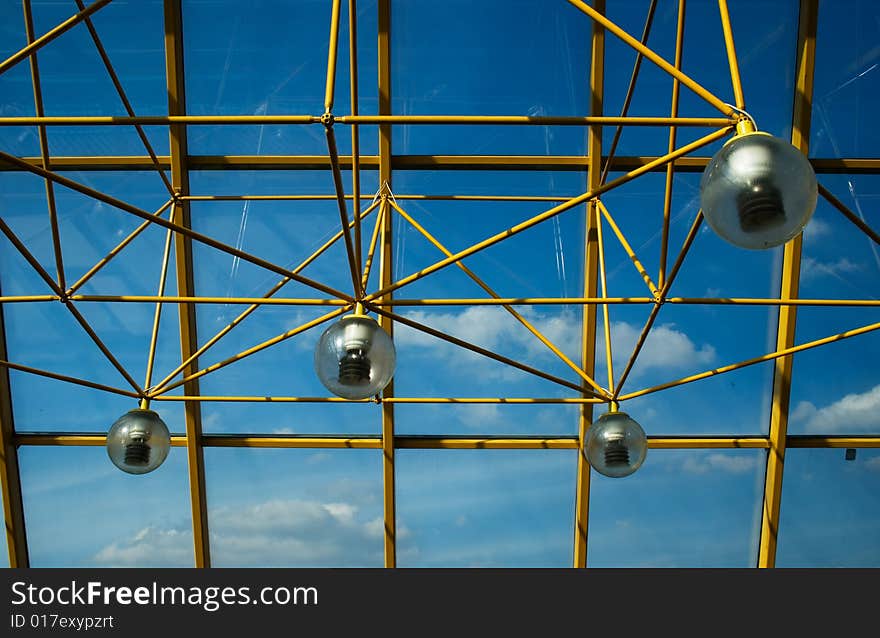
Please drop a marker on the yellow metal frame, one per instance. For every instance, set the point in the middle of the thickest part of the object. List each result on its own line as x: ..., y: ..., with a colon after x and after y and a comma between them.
x: 182, y: 383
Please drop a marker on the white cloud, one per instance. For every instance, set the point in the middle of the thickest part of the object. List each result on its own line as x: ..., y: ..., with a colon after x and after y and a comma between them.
x: 493, y: 328
x: 665, y: 348
x: 816, y: 229
x: 273, y: 533
x: 813, y: 268
x: 852, y: 413
x: 479, y: 415
x: 731, y: 464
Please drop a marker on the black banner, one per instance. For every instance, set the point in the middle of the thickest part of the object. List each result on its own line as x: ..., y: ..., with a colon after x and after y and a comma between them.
x: 170, y: 602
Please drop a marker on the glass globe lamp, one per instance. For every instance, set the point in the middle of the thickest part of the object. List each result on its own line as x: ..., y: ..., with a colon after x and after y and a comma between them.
x: 355, y: 357
x: 138, y: 442
x: 758, y: 191
x: 616, y: 445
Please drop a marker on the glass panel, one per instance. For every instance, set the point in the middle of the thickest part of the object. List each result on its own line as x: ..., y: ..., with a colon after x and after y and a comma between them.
x: 830, y: 513
x: 485, y: 508
x: 291, y: 77
x: 683, y: 508
x: 81, y: 511
x: 295, y: 508
x: 846, y: 87
x: 836, y: 387
x: 15, y: 85
x: 443, y: 64
x: 71, y: 67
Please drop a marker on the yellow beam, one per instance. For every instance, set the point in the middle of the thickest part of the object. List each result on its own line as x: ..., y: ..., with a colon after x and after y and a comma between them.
x: 851, y: 216
x: 62, y: 377
x: 731, y: 55
x: 386, y: 265
x: 791, y: 265
x: 591, y: 267
x: 10, y: 478
x: 174, y: 69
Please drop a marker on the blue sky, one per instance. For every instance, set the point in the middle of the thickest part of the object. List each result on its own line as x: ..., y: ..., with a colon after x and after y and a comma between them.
x: 466, y: 507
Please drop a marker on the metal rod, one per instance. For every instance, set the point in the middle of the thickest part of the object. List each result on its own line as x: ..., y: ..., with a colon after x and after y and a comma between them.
x: 46, y: 38
x: 27, y: 298
x: 259, y: 301
x: 124, y: 98
x: 630, y: 91
x: 628, y: 249
x: 67, y: 379
x: 494, y: 120
x: 246, y: 353
x: 556, y: 210
x: 474, y: 348
x: 44, y: 146
x: 182, y: 230
x: 850, y: 215
x: 332, y: 50
x: 157, y: 317
x: 731, y: 55
x: 355, y: 131
x: 606, y: 321
x: 353, y: 262
x: 516, y: 315
x: 254, y: 304
x: 789, y: 288
x: 125, y: 242
x: 653, y: 57
x: 670, y: 168
x: 371, y: 252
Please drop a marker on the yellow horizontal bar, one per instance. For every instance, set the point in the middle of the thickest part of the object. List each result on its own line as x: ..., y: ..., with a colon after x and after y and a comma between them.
x: 28, y: 298
x: 80, y: 440
x: 813, y: 441
x: 268, y: 301
x: 690, y: 163
x: 255, y: 399
x: 156, y: 120
x: 505, y: 400
x: 446, y: 442
x: 709, y: 122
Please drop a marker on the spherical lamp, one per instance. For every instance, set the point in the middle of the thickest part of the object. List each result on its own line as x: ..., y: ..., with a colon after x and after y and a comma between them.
x: 616, y: 445
x: 758, y: 191
x: 355, y: 357
x: 138, y: 441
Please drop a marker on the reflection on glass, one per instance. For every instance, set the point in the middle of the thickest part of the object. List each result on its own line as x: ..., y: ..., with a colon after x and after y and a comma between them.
x: 485, y: 508
x: 295, y: 508
x: 846, y: 80
x: 683, y: 508
x: 81, y: 511
x: 830, y: 514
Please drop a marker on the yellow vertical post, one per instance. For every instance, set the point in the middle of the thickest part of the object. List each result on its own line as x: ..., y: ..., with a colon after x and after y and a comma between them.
x: 184, y: 272
x: 10, y: 480
x: 791, y: 264
x: 591, y: 264
x: 385, y: 278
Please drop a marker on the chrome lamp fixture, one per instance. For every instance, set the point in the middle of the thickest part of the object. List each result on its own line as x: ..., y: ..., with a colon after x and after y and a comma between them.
x: 758, y: 191
x: 616, y: 445
x: 355, y: 357
x: 138, y: 442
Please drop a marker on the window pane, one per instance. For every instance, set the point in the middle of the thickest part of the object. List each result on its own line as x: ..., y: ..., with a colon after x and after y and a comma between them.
x: 295, y: 508
x: 683, y: 508
x: 830, y: 513
x: 81, y: 511
x: 846, y: 86
x: 485, y: 508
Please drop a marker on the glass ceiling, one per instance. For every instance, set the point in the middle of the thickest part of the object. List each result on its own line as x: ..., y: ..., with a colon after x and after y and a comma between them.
x: 181, y: 141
